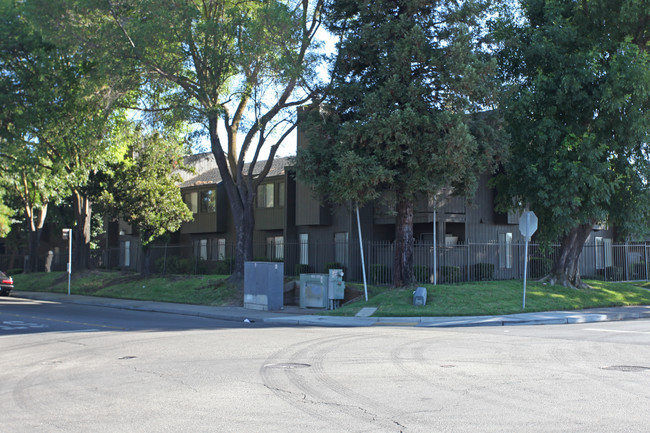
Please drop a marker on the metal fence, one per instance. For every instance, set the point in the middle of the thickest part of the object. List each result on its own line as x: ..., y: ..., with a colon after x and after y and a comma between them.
x: 454, y: 263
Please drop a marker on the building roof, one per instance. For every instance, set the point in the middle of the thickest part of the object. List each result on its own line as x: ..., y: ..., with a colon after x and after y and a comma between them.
x: 207, y: 173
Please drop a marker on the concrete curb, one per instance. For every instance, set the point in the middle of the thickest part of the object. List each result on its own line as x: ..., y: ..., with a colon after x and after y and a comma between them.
x: 240, y: 314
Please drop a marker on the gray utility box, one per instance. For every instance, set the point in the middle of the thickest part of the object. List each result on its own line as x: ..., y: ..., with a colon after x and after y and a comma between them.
x: 264, y: 285
x: 335, y: 285
x: 420, y: 296
x: 313, y: 290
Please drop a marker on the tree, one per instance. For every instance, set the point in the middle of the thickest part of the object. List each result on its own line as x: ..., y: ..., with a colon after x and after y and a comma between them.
x: 26, y: 177
x: 5, y: 217
x: 242, y: 66
x: 143, y: 190
x: 579, y: 76
x: 400, y: 115
x: 29, y: 187
x: 58, y: 108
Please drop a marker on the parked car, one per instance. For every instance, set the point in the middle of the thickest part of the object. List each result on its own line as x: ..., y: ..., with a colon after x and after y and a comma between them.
x: 6, y: 284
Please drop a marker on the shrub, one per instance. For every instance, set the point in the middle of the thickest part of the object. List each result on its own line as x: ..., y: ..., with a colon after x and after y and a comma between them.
x: 160, y: 265
x: 637, y: 270
x: 266, y: 259
x: 333, y: 265
x: 14, y: 271
x: 539, y: 267
x: 482, y: 271
x: 175, y: 265
x: 302, y: 269
x: 422, y: 274
x: 379, y: 274
x: 449, y: 274
x: 612, y: 273
x: 224, y: 267
x: 202, y: 267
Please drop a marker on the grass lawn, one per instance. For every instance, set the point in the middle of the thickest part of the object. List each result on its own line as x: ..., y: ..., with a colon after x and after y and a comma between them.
x: 496, y: 297
x: 187, y: 289
x: 467, y: 299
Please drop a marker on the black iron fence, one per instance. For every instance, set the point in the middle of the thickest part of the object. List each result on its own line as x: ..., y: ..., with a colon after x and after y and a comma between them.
x: 446, y: 263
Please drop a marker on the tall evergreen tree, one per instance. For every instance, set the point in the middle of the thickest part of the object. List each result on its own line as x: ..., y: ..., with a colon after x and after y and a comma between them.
x: 401, y: 113
x: 577, y: 111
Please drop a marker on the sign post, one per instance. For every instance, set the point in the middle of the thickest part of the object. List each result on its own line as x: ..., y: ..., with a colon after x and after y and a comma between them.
x: 363, y: 264
x: 67, y: 234
x: 527, y: 227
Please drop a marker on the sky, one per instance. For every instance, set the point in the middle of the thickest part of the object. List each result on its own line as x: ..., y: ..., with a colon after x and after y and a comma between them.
x: 288, y: 147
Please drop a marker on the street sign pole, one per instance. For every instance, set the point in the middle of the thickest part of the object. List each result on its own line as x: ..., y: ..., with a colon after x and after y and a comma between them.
x: 525, y: 272
x: 67, y: 234
x: 527, y: 227
x: 363, y: 264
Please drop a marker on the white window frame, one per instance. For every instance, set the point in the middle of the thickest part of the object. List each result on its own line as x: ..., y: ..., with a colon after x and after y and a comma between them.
x: 191, y: 199
x: 208, y: 205
x: 127, y: 253
x: 603, y: 252
x: 201, y: 249
x: 341, y: 248
x: 265, y: 194
x: 304, y: 248
x: 505, y: 250
x: 275, y: 247
x: 221, y: 249
x: 281, y: 193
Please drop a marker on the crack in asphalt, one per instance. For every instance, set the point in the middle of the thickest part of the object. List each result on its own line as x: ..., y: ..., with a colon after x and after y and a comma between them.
x: 166, y: 377
x: 303, y: 397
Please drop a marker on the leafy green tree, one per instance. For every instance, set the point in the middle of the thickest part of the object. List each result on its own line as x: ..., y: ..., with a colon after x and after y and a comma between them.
x: 31, y: 190
x: 401, y: 113
x: 143, y: 190
x: 58, y: 108
x: 577, y: 110
x: 26, y: 177
x: 6, y: 214
x: 239, y: 68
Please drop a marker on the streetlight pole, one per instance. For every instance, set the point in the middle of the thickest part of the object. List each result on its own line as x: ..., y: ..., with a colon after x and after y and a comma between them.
x: 67, y: 234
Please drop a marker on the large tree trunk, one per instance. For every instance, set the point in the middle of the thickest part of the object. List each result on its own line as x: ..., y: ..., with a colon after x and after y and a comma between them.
x: 244, y: 242
x: 403, y: 260
x: 565, y: 269
x: 81, y: 241
x: 34, y: 242
x: 34, y: 238
x: 241, y: 200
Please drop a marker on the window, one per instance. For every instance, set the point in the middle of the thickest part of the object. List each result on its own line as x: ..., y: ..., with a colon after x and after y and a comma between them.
x: 304, y: 248
x: 191, y: 199
x: 281, y: 194
x: 275, y: 247
x: 265, y: 195
x: 201, y: 249
x: 218, y: 249
x: 341, y: 248
x: 505, y: 250
x: 208, y: 201
x: 603, y: 252
x: 126, y: 245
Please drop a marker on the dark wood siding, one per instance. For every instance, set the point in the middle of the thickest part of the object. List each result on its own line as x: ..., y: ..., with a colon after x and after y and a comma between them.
x: 202, y: 223
x: 309, y: 210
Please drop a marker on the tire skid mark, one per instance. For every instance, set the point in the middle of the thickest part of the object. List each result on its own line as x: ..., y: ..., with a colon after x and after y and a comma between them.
x: 315, y: 386
x: 281, y: 381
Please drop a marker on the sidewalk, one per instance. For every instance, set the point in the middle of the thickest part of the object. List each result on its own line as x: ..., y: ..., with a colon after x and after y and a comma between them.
x: 292, y: 315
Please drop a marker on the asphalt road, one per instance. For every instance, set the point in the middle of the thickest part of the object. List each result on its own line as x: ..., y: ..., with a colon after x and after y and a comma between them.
x: 72, y: 368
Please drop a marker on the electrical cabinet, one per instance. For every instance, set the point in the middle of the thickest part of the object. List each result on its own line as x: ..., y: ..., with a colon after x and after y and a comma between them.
x: 264, y: 285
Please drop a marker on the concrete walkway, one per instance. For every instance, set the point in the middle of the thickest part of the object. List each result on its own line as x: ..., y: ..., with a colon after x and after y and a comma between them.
x: 308, y: 317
